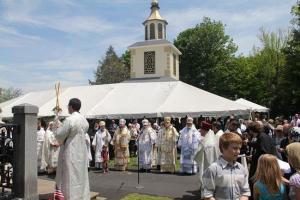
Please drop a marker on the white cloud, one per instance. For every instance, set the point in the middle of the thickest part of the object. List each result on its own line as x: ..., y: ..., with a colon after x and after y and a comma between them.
x: 239, y: 19
x: 241, y: 24
x: 77, y: 24
x: 26, y: 13
x: 13, y: 32
x: 30, y: 79
x: 72, y: 75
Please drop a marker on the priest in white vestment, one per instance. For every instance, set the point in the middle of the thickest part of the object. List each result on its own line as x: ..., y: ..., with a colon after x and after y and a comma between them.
x: 40, y: 142
x: 167, y: 148
x: 208, y: 151
x: 102, y: 137
x: 50, y: 150
x: 88, y: 148
x: 72, y: 172
x: 146, y: 142
x: 189, y: 142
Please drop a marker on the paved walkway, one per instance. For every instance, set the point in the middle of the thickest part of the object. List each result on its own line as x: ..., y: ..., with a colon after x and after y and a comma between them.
x: 46, y: 189
x: 115, y: 185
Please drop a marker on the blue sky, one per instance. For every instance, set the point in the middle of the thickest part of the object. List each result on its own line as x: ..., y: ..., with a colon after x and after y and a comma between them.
x: 44, y: 41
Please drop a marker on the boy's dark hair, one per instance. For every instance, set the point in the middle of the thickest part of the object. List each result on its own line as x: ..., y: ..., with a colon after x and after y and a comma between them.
x: 255, y: 127
x: 217, y: 125
x: 75, y: 104
x: 43, y: 124
x: 233, y: 125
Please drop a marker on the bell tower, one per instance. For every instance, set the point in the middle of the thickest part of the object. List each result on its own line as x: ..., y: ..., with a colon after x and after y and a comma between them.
x: 155, y: 25
x: 155, y: 57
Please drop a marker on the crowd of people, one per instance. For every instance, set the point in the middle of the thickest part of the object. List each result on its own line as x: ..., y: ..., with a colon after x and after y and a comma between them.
x: 234, y: 158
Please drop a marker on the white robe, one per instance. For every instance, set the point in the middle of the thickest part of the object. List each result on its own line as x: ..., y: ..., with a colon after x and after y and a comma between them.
x: 40, y: 143
x: 207, y: 153
x: 218, y: 135
x: 146, y: 141
x: 101, y: 138
x: 72, y: 172
x: 53, y: 150
x: 188, y: 142
x: 88, y: 147
x: 46, y: 149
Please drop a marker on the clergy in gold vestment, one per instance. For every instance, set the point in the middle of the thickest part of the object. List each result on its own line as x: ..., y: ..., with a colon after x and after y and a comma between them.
x: 120, y: 142
x: 167, y: 150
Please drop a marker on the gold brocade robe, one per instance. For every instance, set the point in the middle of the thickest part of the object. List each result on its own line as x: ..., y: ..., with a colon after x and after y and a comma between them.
x: 120, y: 142
x: 167, y: 151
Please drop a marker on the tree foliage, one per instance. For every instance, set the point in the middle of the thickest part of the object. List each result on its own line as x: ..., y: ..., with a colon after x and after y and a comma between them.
x: 111, y: 69
x: 290, y: 86
x: 209, y: 62
x: 9, y: 93
x: 206, y: 50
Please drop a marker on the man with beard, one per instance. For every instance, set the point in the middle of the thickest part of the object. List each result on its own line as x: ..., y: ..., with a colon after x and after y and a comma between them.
x: 167, y: 150
x: 146, y: 142
x: 188, y: 142
x: 120, y: 142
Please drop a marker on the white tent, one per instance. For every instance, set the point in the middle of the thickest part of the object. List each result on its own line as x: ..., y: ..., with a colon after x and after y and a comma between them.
x: 133, y: 100
x: 254, y: 107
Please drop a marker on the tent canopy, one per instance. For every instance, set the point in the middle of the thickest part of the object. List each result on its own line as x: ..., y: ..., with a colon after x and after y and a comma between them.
x: 254, y: 107
x: 132, y: 100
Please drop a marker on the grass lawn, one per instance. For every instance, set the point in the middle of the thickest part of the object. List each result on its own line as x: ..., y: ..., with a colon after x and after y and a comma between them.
x: 135, y: 196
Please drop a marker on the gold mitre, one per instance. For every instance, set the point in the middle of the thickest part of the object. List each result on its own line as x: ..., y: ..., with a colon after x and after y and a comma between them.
x: 167, y: 119
x: 102, y: 123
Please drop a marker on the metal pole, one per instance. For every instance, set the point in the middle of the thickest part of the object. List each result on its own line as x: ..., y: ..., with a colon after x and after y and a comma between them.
x: 138, y: 155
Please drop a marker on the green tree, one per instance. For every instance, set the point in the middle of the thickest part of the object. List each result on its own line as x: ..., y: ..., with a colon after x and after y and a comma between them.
x: 291, y: 82
x: 126, y: 58
x: 267, y: 65
x: 9, y: 93
x: 206, y: 50
x: 111, y: 69
x: 235, y: 79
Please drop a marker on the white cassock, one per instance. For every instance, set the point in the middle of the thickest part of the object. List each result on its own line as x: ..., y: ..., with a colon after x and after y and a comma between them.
x: 102, y: 137
x: 72, y: 172
x: 146, y: 141
x: 218, y: 135
x: 88, y: 147
x: 40, y: 143
x: 189, y: 142
x: 207, y: 153
x: 53, y: 150
x: 46, y: 149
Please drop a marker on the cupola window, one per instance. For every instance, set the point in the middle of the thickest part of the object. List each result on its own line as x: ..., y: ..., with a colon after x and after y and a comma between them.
x: 149, y: 62
x: 152, y: 31
x: 160, y: 31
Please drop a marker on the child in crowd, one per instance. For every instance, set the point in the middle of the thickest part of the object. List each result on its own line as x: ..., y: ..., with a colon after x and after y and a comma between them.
x: 268, y: 179
x: 105, y: 158
x: 226, y: 178
x: 293, y: 153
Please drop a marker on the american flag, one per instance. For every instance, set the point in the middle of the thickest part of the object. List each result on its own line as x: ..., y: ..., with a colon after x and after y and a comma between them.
x: 58, y: 195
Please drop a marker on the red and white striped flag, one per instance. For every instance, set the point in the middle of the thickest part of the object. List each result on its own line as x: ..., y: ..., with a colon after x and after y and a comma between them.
x: 58, y: 195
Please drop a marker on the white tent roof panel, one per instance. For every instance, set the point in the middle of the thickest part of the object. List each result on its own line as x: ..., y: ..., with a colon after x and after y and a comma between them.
x: 133, y: 100
x: 254, y: 107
